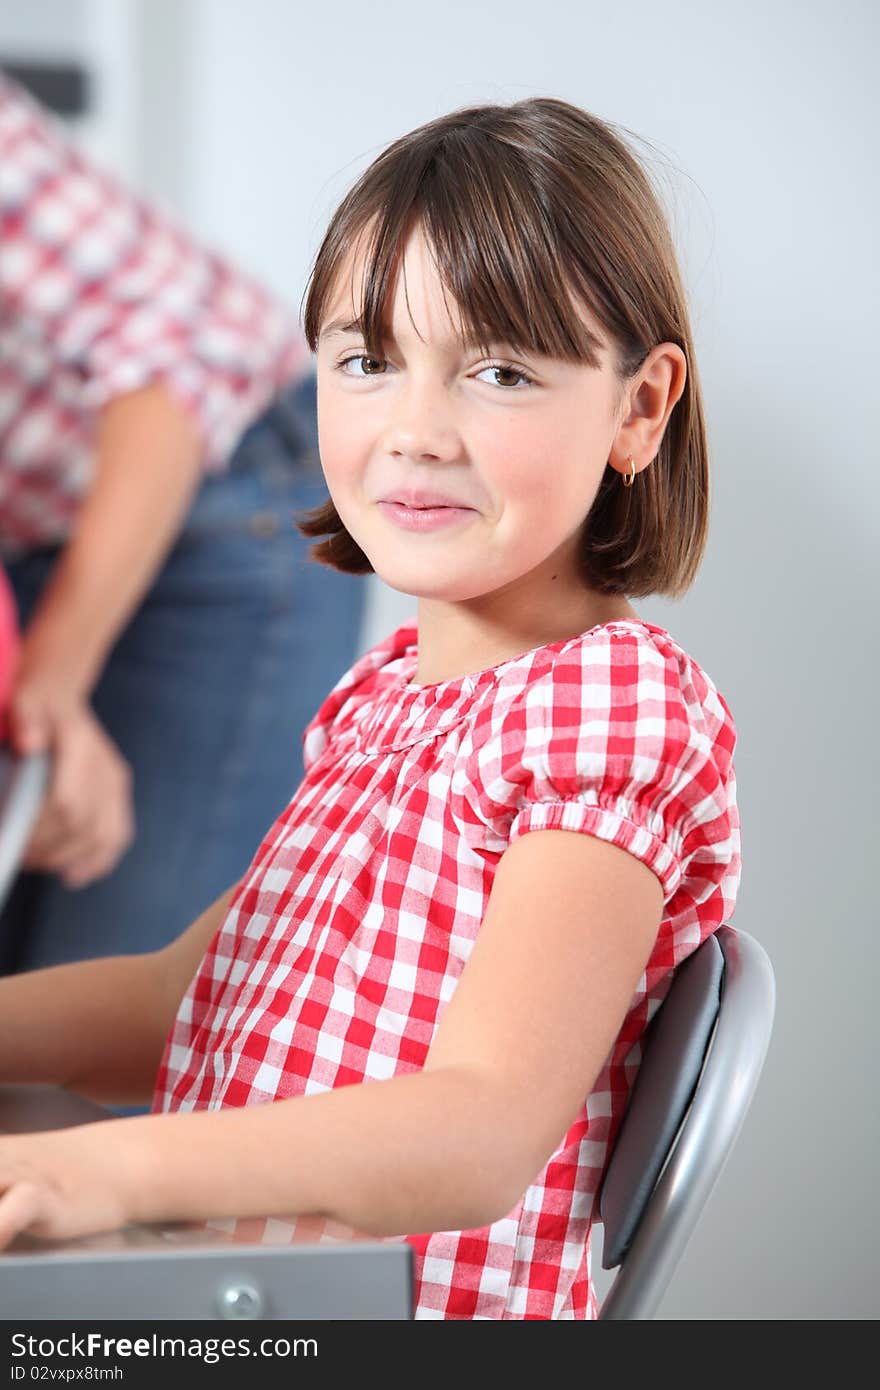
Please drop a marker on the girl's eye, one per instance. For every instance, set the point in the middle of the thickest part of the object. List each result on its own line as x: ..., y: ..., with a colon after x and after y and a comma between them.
x: 359, y: 357
x: 502, y: 370
x: 375, y: 366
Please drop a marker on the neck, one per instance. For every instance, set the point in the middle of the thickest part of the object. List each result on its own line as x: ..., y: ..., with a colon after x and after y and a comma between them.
x: 460, y: 639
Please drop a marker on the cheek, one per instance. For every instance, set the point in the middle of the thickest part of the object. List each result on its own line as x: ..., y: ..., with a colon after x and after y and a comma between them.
x: 520, y: 462
x: 540, y: 468
x: 337, y: 439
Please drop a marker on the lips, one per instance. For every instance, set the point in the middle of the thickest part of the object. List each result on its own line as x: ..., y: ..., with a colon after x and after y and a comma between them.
x: 421, y: 501
x: 424, y: 519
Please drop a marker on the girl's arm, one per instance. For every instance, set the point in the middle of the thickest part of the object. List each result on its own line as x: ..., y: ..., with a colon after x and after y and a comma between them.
x: 570, y: 926
x: 98, y: 1027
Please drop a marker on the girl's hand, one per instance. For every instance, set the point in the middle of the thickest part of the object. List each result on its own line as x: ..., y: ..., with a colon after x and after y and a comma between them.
x: 87, y: 821
x: 61, y: 1184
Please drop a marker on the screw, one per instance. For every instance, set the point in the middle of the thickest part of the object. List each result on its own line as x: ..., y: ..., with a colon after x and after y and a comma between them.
x: 240, y: 1301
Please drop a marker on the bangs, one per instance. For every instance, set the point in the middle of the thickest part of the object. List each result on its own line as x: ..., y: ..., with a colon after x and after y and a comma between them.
x: 496, y: 247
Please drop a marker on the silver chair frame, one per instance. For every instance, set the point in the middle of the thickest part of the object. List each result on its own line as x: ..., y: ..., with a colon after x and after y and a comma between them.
x: 23, y: 783
x: 708, y: 1127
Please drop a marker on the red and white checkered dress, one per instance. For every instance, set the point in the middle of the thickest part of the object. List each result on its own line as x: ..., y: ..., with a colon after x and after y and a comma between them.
x: 100, y: 295
x: 346, y: 937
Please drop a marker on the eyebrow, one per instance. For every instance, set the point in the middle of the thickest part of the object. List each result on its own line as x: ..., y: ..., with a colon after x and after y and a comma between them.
x: 340, y: 326
x: 356, y: 326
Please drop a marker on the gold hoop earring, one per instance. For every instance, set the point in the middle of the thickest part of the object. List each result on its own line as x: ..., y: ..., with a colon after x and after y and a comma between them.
x: 628, y: 481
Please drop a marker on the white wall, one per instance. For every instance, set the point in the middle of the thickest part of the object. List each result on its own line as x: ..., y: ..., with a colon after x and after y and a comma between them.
x: 258, y: 116
x: 100, y: 35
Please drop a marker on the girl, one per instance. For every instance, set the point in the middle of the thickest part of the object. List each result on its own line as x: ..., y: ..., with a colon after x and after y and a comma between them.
x: 419, y: 1011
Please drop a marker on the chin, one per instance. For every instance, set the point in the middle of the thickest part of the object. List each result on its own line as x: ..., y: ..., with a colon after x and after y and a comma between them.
x: 414, y: 588
x: 443, y: 591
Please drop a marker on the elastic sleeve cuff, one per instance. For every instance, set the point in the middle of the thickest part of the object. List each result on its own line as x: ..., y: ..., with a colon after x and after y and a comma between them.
x: 622, y: 824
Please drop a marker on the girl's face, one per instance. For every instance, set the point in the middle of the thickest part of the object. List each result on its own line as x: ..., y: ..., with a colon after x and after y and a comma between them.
x: 521, y: 440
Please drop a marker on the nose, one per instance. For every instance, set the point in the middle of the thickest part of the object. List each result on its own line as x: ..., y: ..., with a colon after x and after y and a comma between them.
x: 421, y: 422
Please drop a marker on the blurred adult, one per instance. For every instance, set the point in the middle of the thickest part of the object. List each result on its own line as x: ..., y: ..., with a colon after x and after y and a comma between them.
x: 157, y: 435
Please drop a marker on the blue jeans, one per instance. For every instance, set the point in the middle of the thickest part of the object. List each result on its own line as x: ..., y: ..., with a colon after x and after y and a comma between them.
x: 206, y: 693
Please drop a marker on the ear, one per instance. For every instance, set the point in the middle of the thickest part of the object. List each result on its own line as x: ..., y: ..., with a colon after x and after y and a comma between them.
x: 648, y: 404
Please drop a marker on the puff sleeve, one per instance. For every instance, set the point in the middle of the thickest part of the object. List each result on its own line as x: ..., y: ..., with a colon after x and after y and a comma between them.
x: 624, y: 737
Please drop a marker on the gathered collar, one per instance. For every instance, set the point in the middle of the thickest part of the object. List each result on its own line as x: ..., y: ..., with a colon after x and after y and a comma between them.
x: 399, y: 713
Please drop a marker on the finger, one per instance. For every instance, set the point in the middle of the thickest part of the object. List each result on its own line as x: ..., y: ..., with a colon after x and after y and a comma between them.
x: 89, y: 871
x: 96, y: 865
x: 90, y: 867
x: 62, y: 851
x: 58, y: 846
x: 68, y: 818
x: 61, y: 817
x: 29, y: 731
x: 42, y: 831
x: 77, y: 787
x: 90, y: 847
x: 91, y: 859
x: 44, y: 848
x: 91, y: 802
x: 74, y: 852
x: 20, y: 1206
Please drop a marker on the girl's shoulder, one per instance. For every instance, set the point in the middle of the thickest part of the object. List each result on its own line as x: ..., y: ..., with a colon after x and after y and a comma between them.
x: 621, y: 690
x: 625, y: 663
x: 620, y: 733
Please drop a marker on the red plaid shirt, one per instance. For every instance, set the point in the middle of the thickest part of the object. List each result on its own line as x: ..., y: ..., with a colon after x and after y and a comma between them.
x: 346, y: 937
x: 100, y: 295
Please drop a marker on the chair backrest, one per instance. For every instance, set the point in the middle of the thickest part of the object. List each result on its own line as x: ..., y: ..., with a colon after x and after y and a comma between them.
x: 703, y: 1053
x: 23, y: 782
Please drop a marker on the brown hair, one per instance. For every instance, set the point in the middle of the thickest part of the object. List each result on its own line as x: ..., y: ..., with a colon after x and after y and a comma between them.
x: 506, y: 196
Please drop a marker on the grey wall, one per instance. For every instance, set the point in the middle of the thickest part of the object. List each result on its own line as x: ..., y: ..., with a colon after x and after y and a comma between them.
x: 257, y: 117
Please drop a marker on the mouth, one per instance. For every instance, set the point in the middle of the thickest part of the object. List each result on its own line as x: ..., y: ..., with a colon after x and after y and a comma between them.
x: 424, y: 506
x: 424, y: 518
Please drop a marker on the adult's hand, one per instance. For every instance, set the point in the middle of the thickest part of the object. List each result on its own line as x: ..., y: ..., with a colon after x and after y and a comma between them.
x: 87, y: 820
x: 147, y: 469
